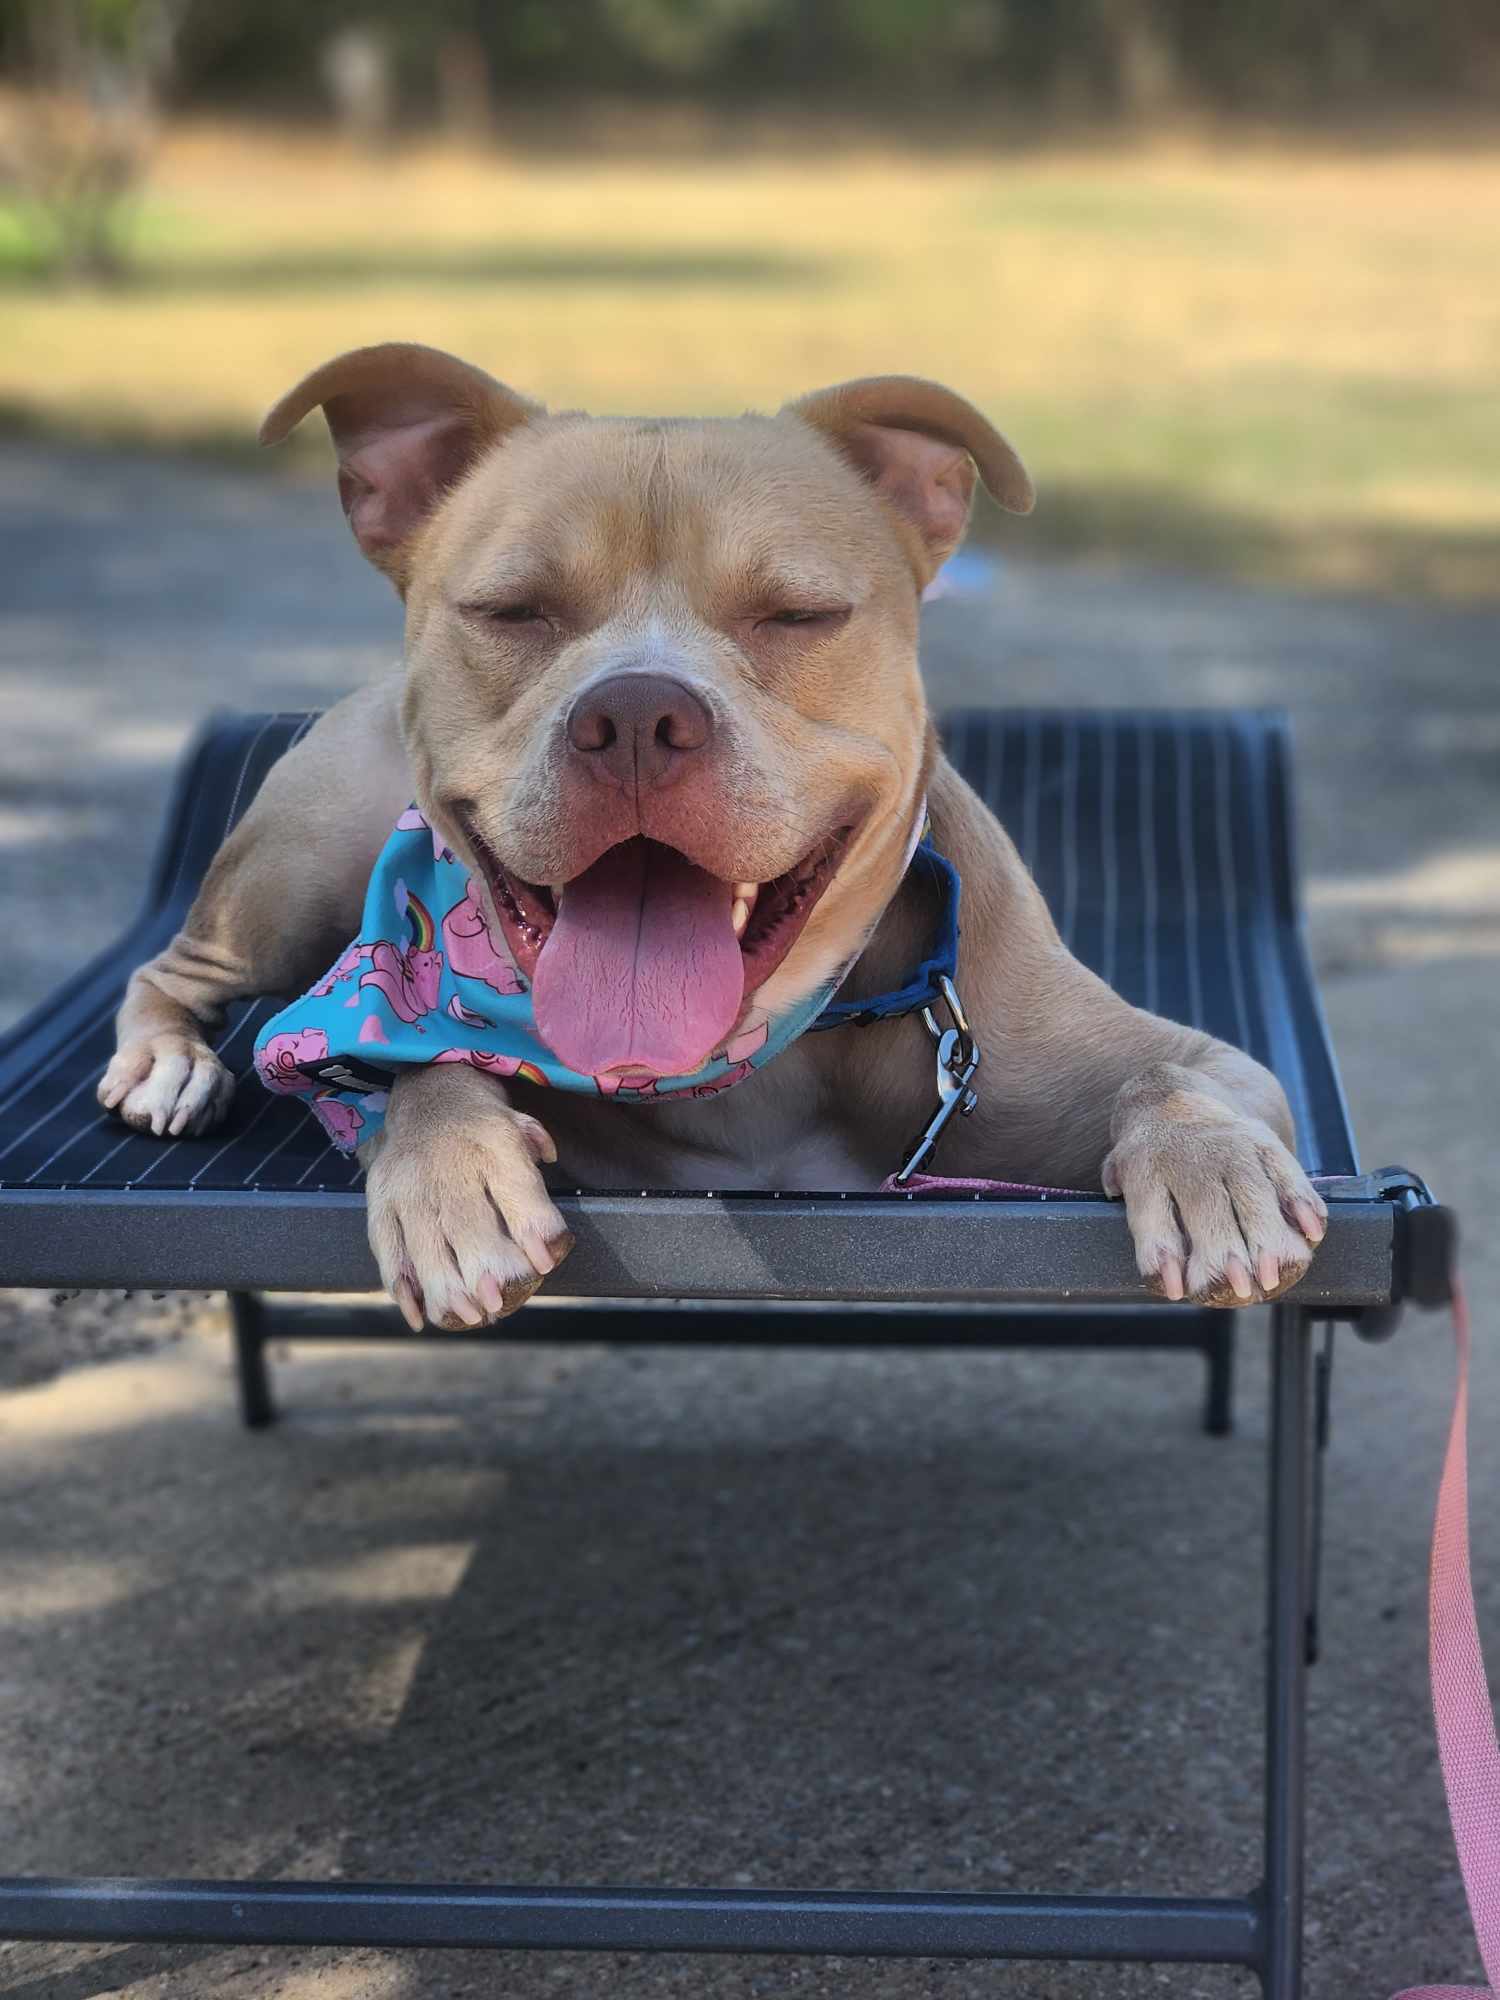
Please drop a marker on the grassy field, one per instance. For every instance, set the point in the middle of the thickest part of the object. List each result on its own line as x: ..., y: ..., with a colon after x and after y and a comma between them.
x: 1275, y: 362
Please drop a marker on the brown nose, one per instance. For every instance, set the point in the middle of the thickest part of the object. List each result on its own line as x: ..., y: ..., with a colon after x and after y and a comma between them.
x: 636, y: 729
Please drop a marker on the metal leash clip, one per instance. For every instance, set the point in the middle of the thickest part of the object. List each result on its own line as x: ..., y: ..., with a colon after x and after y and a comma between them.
x: 957, y: 1060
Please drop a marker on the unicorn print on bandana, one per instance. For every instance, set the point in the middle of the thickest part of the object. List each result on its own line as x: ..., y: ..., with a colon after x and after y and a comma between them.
x: 411, y: 820
x: 343, y: 968
x: 341, y: 1120
x: 279, y: 1058
x: 408, y: 975
x: 472, y: 951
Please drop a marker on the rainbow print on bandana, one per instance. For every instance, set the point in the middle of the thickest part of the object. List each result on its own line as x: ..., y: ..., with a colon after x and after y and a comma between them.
x: 417, y: 914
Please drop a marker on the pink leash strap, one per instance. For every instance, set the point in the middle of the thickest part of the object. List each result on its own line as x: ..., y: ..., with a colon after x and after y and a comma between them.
x: 1461, y: 1706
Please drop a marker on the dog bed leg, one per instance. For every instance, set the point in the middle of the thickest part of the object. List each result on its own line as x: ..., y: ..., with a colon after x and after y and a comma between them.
x: 257, y: 1405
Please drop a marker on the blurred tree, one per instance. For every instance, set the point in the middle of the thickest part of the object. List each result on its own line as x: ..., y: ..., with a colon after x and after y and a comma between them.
x: 356, y: 65
x: 686, y: 38
x: 78, y: 141
x: 466, y: 107
x: 464, y: 61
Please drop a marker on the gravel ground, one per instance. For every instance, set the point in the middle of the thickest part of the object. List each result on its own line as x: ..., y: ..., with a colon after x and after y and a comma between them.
x: 966, y: 1622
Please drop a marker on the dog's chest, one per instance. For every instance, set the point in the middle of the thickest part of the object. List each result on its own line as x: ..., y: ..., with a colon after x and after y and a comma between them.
x: 774, y: 1130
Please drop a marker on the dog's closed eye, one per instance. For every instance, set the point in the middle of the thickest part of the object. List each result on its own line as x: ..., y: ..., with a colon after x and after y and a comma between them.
x: 825, y: 617
x: 520, y: 614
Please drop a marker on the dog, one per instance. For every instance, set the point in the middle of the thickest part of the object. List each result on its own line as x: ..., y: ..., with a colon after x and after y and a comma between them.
x: 667, y: 670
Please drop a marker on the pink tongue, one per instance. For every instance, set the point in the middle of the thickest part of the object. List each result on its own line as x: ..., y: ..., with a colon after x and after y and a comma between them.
x: 642, y: 970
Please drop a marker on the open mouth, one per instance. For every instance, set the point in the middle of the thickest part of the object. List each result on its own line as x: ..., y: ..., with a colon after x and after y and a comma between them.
x: 643, y: 962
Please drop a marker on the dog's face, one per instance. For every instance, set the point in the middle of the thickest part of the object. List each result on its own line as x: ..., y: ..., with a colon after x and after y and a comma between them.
x: 663, y: 693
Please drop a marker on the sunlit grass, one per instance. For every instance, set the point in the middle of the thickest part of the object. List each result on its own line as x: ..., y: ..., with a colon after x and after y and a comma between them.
x: 1272, y: 361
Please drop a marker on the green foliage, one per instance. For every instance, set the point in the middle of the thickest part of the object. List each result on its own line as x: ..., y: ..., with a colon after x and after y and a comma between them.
x: 1080, y: 55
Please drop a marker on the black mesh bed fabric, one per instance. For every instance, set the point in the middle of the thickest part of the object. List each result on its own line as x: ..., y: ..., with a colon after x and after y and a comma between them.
x: 1161, y: 841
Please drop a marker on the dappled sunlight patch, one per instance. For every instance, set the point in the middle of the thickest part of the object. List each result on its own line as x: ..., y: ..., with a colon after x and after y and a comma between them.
x: 38, y: 826
x: 426, y: 1490
x: 1462, y: 880
x: 408, y: 1573
x: 1423, y: 944
x: 357, y: 1976
x: 149, y: 743
x: 37, y: 1588
x: 386, y: 1420
x: 389, y: 1676
x: 120, y: 1396
x: 97, y: 717
x: 1445, y: 906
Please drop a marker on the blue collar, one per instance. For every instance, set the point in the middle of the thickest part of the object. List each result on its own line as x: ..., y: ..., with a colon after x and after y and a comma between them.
x: 922, y: 989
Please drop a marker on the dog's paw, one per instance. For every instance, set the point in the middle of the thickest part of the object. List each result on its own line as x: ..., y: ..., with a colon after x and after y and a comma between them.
x: 168, y: 1085
x: 1219, y: 1210
x: 461, y: 1222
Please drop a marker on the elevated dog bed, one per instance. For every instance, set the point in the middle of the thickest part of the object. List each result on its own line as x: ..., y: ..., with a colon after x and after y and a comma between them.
x: 1163, y: 844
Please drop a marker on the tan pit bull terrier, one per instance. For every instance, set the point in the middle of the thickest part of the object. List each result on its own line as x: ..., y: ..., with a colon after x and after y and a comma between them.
x: 700, y: 638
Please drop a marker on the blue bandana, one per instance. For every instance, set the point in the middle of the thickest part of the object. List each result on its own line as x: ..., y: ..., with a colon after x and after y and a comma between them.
x: 427, y: 982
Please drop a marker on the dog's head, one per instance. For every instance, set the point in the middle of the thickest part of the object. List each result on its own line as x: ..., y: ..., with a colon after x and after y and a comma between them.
x: 662, y: 693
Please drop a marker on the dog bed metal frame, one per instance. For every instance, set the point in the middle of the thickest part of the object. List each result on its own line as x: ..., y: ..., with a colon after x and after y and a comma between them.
x: 1164, y: 844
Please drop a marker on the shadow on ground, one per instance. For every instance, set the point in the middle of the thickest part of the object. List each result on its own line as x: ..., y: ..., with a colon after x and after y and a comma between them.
x: 1160, y: 525
x: 349, y: 267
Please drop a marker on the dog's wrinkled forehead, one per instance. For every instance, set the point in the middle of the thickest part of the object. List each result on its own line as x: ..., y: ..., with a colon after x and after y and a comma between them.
x: 610, y: 513
x: 420, y: 436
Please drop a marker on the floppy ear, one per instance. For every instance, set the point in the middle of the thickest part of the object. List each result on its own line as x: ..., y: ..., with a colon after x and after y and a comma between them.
x: 920, y: 445
x: 407, y: 423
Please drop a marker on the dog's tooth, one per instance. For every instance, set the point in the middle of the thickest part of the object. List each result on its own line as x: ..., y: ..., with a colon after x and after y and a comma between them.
x: 739, y: 916
x: 745, y: 892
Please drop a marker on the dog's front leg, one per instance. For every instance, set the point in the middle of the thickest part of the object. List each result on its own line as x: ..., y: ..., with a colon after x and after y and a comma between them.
x: 163, y: 1077
x: 1080, y: 1089
x: 461, y: 1222
x: 282, y: 896
x: 1220, y: 1211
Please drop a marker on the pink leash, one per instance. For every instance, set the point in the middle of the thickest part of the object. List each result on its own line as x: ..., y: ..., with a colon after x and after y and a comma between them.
x: 1461, y: 1706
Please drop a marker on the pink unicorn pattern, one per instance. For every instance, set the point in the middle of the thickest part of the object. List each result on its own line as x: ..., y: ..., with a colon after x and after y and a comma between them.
x: 496, y: 1065
x: 741, y: 1046
x: 718, y: 1083
x: 344, y: 968
x: 411, y: 820
x: 471, y: 946
x: 282, y: 1056
x: 639, y: 1084
x: 408, y: 975
x: 339, y: 1119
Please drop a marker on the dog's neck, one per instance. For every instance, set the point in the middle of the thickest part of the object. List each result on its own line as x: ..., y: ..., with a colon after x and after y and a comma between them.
x: 902, y: 937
